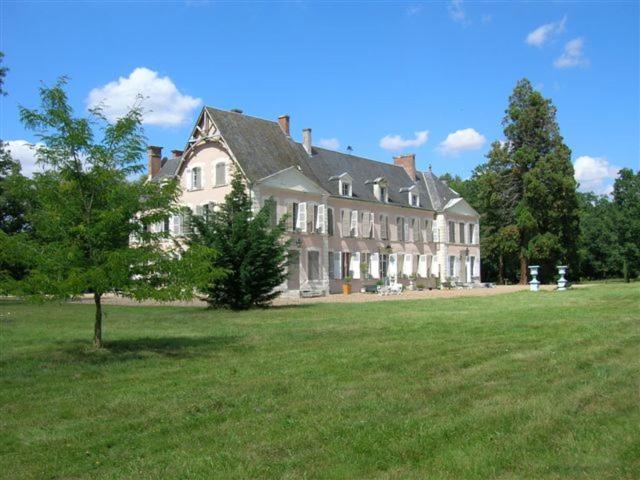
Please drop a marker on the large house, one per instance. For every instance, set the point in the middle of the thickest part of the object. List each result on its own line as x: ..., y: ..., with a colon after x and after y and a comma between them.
x: 348, y: 216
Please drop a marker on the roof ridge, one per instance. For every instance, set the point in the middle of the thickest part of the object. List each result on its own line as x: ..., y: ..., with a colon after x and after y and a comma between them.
x: 241, y: 114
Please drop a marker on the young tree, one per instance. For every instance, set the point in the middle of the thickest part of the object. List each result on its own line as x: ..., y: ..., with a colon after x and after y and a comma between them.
x: 250, y: 248
x: 86, y: 210
x: 531, y: 178
x: 626, y: 198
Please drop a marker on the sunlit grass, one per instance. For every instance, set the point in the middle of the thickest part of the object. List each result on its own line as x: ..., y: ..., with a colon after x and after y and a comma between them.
x: 511, y: 386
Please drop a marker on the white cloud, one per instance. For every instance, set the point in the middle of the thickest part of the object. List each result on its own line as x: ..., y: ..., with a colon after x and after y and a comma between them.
x: 329, y: 143
x: 396, y: 142
x: 461, y: 141
x: 162, y: 102
x: 25, y: 153
x: 457, y: 12
x: 573, y: 56
x: 595, y: 174
x: 544, y: 33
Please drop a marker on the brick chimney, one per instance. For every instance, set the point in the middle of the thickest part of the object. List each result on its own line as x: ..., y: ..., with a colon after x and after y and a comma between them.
x: 306, y: 140
x: 283, y: 121
x: 155, y: 160
x: 176, y: 153
x: 408, y: 162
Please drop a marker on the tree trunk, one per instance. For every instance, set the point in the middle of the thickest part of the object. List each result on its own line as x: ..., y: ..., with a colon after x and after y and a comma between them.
x: 625, y: 271
x: 500, y: 269
x: 523, y: 269
x: 97, y: 330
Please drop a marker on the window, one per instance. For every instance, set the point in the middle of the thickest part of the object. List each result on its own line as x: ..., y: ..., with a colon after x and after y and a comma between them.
x: 452, y: 266
x: 471, y: 234
x: 196, y: 178
x: 461, y: 232
x: 384, y: 227
x: 384, y: 262
x: 383, y: 194
x: 346, y: 189
x: 400, y: 229
x: 313, y: 265
x: 452, y: 232
x: 346, y: 261
x: 330, y: 222
x: 221, y: 174
x: 294, y: 215
x: 414, y: 200
x: 166, y: 225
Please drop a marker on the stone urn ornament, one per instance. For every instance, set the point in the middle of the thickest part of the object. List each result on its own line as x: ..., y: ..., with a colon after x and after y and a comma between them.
x: 562, y: 282
x: 534, y: 284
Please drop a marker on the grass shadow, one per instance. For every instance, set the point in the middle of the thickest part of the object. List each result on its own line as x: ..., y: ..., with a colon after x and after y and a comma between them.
x: 128, y: 349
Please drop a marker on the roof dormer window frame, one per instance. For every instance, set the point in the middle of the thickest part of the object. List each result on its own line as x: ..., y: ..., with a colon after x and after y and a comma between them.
x: 345, y: 185
x: 413, y: 196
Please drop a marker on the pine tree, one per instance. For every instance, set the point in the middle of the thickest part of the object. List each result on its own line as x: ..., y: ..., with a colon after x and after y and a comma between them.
x: 250, y: 249
x: 531, y: 184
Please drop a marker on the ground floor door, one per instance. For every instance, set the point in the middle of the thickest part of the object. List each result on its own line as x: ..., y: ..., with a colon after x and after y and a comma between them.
x: 293, y: 270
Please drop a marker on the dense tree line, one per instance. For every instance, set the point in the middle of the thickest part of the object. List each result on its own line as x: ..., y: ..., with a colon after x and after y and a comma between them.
x: 531, y: 211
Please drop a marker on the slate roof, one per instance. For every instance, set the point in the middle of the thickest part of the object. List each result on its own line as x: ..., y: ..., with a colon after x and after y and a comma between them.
x: 168, y: 169
x: 325, y: 164
x: 262, y: 150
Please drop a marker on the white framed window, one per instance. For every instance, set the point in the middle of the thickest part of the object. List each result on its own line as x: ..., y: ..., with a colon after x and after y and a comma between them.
x: 313, y: 265
x: 414, y: 199
x: 452, y: 232
x: 462, y: 232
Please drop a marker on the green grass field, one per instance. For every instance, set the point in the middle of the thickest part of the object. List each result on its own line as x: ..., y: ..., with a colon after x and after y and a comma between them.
x: 518, y: 385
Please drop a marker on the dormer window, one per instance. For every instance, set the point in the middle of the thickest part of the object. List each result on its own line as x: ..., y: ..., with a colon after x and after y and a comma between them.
x: 345, y: 188
x: 413, y: 197
x: 380, y: 189
x: 345, y: 184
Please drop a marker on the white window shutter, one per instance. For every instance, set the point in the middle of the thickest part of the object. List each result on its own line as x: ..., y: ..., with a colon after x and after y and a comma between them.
x: 337, y: 265
x: 405, y: 226
x: 354, y: 266
x: 320, y: 222
x: 301, y: 221
x: 354, y: 223
x: 346, y: 221
x: 189, y: 180
x: 374, y: 265
x: 422, y: 266
x: 372, y: 223
x: 436, y: 236
x: 392, y: 269
x: 407, y: 268
x: 176, y: 224
x: 435, y: 266
x: 366, y: 222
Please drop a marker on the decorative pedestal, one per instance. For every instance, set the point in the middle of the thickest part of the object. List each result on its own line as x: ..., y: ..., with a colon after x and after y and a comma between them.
x: 534, y: 284
x: 562, y: 282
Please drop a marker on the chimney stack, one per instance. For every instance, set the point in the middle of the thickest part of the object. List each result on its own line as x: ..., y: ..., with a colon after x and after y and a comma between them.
x: 176, y: 153
x: 306, y: 140
x: 283, y: 121
x: 155, y: 160
x: 408, y: 162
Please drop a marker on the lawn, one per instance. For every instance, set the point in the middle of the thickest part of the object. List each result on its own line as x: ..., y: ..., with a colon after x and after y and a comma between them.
x: 519, y: 385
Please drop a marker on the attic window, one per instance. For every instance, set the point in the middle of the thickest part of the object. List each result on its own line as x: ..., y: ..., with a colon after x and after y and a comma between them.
x: 345, y: 188
x: 414, y: 199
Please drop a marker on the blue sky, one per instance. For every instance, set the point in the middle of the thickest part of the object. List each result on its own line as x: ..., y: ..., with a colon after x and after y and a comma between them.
x: 375, y: 76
